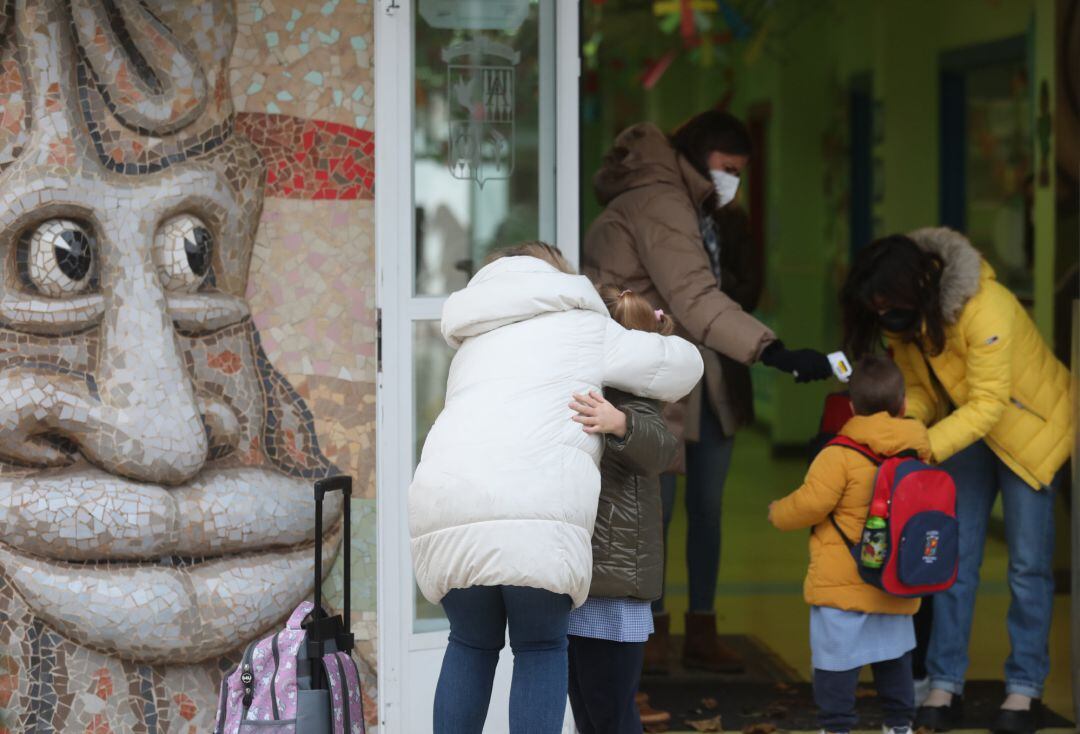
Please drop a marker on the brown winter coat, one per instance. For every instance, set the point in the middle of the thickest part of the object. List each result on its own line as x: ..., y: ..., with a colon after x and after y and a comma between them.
x: 648, y: 239
x: 628, y: 539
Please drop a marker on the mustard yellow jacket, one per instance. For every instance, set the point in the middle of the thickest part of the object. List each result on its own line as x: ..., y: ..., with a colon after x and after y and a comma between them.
x: 840, y: 482
x: 996, y: 379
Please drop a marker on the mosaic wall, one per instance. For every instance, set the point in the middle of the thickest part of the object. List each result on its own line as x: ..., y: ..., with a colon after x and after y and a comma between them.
x: 186, y: 342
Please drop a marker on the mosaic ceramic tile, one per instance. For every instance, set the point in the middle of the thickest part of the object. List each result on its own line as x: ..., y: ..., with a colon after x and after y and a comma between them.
x: 310, y: 59
x: 312, y: 287
x: 312, y: 159
x: 156, y: 458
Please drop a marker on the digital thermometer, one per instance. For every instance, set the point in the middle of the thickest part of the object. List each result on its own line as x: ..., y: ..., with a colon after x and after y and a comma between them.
x: 841, y: 366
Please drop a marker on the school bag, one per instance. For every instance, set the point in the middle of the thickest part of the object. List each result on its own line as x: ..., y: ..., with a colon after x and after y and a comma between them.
x: 917, y: 502
x: 302, y: 679
x: 836, y: 413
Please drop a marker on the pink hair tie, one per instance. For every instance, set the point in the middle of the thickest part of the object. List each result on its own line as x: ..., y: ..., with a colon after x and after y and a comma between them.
x: 659, y: 314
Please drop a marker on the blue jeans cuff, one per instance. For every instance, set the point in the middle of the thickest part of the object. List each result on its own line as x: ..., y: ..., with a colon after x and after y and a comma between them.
x: 1023, y: 688
x: 954, y: 687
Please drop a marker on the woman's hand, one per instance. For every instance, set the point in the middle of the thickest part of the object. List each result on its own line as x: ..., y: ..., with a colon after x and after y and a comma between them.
x: 598, y: 415
x: 805, y: 365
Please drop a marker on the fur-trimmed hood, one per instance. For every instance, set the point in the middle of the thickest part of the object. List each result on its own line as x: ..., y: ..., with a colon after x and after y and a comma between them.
x: 962, y: 276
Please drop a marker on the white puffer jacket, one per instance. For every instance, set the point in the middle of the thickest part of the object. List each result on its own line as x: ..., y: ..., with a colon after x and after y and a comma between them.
x: 507, y: 486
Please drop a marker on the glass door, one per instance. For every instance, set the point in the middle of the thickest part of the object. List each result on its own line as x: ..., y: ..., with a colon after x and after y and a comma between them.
x: 476, y: 116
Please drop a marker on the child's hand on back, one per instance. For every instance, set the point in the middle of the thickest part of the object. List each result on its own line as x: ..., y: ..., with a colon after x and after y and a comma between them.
x: 597, y: 415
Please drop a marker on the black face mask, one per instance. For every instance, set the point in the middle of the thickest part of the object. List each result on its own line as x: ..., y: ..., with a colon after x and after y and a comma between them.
x: 899, y: 320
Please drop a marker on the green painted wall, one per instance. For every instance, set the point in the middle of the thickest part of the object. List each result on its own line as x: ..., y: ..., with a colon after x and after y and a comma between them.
x: 804, y: 79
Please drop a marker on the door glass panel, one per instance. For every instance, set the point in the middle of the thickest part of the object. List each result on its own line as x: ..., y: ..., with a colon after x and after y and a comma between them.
x: 483, y: 130
x: 999, y: 171
x: 431, y: 364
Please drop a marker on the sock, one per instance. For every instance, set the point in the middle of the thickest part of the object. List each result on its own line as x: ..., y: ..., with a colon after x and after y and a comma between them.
x: 1017, y: 702
x: 938, y: 697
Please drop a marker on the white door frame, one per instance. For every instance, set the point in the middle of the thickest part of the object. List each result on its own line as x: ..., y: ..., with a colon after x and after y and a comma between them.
x: 394, y: 232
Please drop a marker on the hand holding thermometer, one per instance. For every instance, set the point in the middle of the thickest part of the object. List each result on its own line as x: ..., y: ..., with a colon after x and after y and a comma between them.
x: 841, y: 366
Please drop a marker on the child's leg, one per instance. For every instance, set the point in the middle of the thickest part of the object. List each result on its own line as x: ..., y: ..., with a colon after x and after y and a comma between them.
x: 834, y: 694
x: 578, y: 684
x: 608, y: 675
x: 896, y: 690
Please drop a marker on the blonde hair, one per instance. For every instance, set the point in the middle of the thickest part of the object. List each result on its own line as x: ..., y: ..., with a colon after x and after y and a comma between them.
x: 540, y: 250
x: 634, y: 312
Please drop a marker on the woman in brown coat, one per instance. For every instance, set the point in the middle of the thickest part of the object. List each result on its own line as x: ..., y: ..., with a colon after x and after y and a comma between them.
x: 658, y: 236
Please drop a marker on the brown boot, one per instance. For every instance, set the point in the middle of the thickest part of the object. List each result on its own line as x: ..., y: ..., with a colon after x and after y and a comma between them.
x: 703, y: 650
x: 650, y: 717
x: 658, y: 648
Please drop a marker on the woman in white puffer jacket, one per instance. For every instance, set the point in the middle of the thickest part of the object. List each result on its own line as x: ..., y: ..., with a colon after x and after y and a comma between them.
x: 502, y: 505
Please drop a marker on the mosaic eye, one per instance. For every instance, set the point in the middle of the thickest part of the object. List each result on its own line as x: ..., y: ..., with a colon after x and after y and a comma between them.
x: 184, y: 246
x: 57, y: 258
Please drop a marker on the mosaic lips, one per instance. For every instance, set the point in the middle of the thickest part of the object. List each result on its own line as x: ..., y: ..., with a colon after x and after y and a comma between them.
x: 192, y: 570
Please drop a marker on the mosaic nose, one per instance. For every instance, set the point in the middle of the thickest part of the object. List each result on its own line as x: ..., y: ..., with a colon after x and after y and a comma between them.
x: 151, y: 417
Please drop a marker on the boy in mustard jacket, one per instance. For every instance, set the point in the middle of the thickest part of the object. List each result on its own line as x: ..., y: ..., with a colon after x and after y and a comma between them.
x: 852, y: 623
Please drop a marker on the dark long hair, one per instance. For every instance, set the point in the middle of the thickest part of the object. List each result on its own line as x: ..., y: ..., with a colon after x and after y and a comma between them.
x: 708, y: 131
x: 896, y: 272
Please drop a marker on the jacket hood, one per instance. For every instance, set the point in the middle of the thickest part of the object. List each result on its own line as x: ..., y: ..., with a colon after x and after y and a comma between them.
x: 642, y: 156
x: 964, y: 267
x: 513, y: 289
x: 888, y: 436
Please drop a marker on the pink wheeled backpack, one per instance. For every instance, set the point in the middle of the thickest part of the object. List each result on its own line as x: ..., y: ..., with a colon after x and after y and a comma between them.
x: 301, y: 679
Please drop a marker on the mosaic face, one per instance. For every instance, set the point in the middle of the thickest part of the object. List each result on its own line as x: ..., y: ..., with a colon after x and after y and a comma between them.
x: 155, y: 470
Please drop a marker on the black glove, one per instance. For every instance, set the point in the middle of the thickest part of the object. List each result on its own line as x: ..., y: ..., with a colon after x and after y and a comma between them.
x: 807, y: 365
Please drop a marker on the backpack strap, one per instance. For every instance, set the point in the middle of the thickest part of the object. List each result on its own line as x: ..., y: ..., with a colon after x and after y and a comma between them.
x: 847, y: 541
x: 853, y: 445
x: 850, y: 443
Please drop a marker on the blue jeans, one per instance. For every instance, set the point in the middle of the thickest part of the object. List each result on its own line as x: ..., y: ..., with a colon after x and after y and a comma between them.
x: 1029, y: 533
x: 538, y: 621
x: 707, y: 464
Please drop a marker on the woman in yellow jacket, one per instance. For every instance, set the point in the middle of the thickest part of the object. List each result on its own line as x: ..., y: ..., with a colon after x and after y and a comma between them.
x: 999, y: 409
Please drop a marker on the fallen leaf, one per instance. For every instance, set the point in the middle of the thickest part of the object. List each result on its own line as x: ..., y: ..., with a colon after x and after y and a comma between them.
x: 712, y: 724
x: 776, y: 710
x: 710, y: 704
x: 759, y: 728
x: 865, y: 692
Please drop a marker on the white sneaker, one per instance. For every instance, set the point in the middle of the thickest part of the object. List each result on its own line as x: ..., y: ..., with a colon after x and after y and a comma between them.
x: 895, y: 729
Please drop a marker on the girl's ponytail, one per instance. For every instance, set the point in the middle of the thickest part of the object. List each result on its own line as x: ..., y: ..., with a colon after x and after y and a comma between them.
x: 634, y: 312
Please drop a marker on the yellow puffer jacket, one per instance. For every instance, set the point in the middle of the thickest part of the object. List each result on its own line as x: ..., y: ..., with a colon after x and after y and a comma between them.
x: 840, y: 482
x: 996, y: 379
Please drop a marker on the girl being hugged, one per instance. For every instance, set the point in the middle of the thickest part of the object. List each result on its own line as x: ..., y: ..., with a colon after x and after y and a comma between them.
x: 503, y: 502
x: 608, y: 633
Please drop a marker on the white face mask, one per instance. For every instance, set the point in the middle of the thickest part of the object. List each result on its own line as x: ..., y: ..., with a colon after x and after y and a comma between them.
x: 726, y: 187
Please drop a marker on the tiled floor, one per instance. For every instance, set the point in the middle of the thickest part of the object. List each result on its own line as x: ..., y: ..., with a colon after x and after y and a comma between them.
x: 762, y: 571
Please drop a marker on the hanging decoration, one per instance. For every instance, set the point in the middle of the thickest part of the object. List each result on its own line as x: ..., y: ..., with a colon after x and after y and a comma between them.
x: 706, y: 33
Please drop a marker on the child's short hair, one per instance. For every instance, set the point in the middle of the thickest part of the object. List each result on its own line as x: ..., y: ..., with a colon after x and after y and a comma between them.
x: 634, y: 312
x: 541, y: 250
x: 877, y: 386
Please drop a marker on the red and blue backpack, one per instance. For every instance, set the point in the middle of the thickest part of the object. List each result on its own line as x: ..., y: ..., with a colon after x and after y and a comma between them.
x: 918, y: 504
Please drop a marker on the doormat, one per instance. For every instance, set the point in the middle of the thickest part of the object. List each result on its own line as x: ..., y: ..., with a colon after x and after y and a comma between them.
x: 769, y: 696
